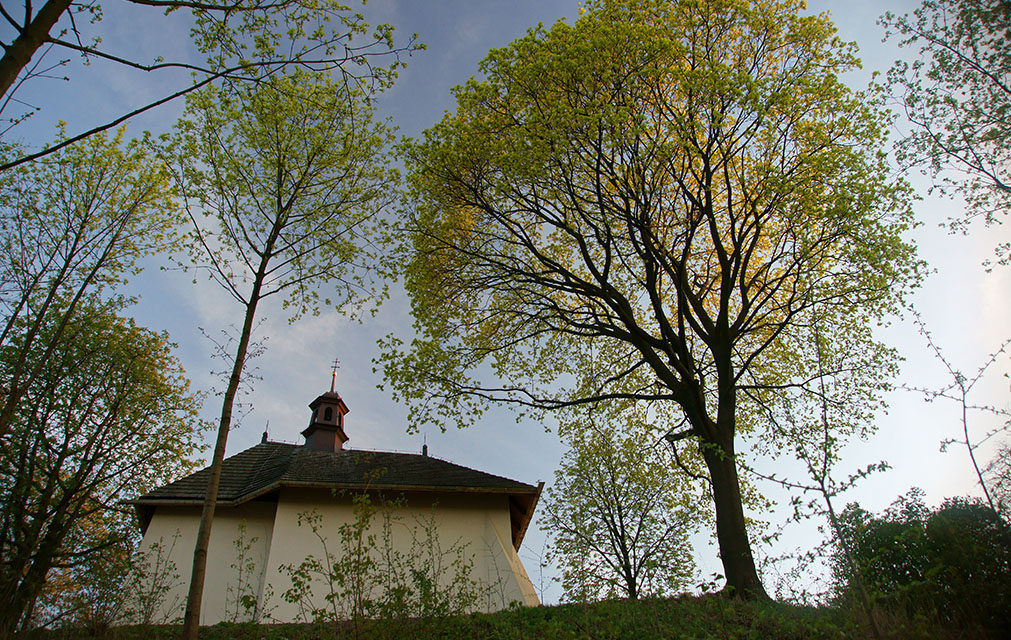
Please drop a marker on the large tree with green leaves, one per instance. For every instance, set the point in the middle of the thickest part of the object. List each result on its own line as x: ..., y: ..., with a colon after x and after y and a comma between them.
x: 283, y: 183
x: 683, y: 183
x: 74, y: 226
x: 956, y: 92
x: 108, y: 415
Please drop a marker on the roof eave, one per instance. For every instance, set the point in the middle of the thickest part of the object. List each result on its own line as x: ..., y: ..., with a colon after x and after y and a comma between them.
x: 523, y: 523
x: 172, y: 501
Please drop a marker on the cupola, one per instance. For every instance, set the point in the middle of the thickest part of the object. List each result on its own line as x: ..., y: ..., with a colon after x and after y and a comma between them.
x: 326, y: 425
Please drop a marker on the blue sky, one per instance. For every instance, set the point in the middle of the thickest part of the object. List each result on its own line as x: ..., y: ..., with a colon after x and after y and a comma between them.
x: 966, y: 308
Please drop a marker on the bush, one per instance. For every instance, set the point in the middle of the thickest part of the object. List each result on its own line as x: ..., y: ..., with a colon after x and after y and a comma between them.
x: 951, y: 564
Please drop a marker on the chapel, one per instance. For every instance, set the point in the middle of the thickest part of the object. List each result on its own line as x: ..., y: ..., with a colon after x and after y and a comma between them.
x: 281, y: 504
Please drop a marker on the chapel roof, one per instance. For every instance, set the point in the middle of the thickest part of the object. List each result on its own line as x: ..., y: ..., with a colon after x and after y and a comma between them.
x: 262, y: 470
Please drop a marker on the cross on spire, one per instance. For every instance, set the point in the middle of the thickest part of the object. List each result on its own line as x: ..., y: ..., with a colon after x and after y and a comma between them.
x: 333, y: 373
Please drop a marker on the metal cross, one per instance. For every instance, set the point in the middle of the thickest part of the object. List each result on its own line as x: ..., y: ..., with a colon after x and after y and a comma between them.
x: 333, y: 373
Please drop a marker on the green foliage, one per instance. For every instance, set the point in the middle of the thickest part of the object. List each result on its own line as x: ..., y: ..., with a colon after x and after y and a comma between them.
x: 73, y: 227
x: 620, y: 512
x: 283, y: 183
x: 951, y: 564
x: 957, y: 94
x: 679, y: 186
x: 683, y: 618
x: 366, y: 573
x: 253, y: 40
x: 529, y: 198
x: 109, y: 415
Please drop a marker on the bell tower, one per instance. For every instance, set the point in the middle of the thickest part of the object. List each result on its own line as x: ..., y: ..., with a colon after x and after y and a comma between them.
x: 326, y: 425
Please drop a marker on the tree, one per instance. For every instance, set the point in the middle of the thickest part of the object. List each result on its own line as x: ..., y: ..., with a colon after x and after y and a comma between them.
x: 951, y: 564
x: 246, y: 42
x: 93, y: 592
x: 957, y: 94
x: 970, y: 547
x: 74, y: 226
x: 109, y: 415
x: 619, y: 513
x: 283, y: 182
x: 683, y: 182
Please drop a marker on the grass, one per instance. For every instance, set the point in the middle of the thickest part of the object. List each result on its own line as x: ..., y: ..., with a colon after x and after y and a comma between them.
x: 680, y: 618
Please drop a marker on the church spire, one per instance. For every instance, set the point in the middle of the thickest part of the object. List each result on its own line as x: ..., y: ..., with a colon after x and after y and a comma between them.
x: 326, y: 424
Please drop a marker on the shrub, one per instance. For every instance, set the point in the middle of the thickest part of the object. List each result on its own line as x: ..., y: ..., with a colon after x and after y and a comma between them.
x: 951, y: 564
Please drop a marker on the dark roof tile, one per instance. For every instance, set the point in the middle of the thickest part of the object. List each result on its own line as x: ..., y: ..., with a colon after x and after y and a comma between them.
x: 272, y: 464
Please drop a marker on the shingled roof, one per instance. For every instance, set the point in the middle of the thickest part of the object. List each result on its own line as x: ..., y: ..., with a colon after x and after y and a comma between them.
x: 262, y: 470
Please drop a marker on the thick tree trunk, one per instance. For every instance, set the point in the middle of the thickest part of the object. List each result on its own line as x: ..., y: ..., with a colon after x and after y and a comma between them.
x: 34, y: 34
x: 24, y: 585
x: 731, y: 531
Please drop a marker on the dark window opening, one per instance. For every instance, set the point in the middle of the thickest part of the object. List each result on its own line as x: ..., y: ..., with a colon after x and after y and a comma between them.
x: 328, y: 414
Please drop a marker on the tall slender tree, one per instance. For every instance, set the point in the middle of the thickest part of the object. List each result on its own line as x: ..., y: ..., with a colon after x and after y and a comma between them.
x: 283, y: 183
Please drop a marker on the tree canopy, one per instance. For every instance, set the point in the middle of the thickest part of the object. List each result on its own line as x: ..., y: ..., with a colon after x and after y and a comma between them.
x: 683, y: 183
x: 73, y: 226
x: 110, y: 415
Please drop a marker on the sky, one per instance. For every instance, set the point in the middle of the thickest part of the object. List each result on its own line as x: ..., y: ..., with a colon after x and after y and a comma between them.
x: 966, y: 308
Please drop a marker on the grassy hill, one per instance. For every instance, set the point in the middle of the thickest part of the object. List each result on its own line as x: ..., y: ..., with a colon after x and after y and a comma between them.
x: 681, y: 618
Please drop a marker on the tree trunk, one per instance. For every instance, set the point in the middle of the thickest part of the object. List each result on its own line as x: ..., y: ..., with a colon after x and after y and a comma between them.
x: 24, y: 585
x: 34, y: 34
x: 191, y: 619
x: 9, y: 619
x: 731, y: 531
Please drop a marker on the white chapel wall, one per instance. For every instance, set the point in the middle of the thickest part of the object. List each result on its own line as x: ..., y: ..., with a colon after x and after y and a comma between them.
x: 470, y: 518
x: 174, y: 530
x: 275, y: 540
